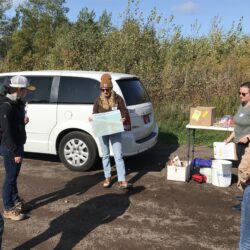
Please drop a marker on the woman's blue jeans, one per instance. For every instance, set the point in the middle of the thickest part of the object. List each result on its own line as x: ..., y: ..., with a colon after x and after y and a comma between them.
x: 245, y: 220
x: 115, y: 140
x: 12, y: 169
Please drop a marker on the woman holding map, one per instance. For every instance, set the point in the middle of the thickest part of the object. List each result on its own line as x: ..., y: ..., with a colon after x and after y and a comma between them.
x: 107, y: 101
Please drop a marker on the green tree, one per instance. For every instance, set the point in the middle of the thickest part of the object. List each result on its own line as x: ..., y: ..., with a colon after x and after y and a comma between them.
x: 80, y: 47
x: 4, y: 6
x: 34, y: 37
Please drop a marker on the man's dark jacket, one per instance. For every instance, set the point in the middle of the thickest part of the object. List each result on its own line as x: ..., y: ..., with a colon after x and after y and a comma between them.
x: 12, y: 124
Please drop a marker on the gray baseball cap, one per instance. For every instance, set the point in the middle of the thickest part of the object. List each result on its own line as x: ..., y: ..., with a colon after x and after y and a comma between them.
x: 21, y: 82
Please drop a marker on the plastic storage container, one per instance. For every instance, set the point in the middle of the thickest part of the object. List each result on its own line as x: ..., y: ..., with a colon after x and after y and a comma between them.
x: 221, y: 173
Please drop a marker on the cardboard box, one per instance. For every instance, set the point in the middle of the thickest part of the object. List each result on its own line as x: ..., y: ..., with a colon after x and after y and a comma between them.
x: 202, y: 116
x: 182, y: 173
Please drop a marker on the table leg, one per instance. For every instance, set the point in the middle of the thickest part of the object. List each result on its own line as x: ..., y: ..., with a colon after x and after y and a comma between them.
x: 188, y: 153
x: 191, y: 148
x: 191, y: 144
x: 193, y: 140
x: 192, y: 158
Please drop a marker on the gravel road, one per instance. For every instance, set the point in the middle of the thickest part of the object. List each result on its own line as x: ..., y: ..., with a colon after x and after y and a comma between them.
x: 71, y: 210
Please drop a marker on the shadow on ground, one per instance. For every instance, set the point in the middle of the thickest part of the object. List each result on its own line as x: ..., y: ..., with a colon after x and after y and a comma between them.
x: 76, y: 186
x: 156, y: 158
x: 75, y: 224
x: 41, y: 157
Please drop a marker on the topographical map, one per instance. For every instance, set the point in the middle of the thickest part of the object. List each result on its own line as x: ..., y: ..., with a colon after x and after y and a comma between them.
x: 107, y: 123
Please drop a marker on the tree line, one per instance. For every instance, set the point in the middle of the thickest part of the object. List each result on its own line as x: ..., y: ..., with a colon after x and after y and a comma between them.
x: 191, y: 70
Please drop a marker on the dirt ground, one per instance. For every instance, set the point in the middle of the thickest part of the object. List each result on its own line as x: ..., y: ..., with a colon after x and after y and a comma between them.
x: 71, y: 210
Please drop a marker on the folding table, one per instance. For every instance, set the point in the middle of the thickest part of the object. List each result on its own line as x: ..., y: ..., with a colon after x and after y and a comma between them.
x: 191, y: 130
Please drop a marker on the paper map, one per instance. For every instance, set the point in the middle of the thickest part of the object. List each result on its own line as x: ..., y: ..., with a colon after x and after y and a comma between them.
x: 224, y: 151
x: 107, y: 123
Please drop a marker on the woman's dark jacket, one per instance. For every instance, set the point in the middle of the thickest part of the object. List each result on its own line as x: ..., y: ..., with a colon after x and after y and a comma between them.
x: 120, y: 105
x: 12, y: 124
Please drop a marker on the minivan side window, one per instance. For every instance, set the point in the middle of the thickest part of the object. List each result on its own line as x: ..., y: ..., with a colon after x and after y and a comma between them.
x: 133, y: 91
x: 2, y: 85
x: 78, y: 90
x: 43, y: 89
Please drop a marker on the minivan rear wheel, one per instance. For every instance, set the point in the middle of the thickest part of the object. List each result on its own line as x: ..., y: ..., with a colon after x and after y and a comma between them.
x: 78, y: 151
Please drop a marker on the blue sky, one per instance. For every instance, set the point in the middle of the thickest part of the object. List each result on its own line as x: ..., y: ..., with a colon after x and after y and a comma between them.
x: 185, y: 12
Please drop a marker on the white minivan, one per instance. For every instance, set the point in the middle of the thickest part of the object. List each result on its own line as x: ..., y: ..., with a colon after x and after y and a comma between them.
x: 61, y: 105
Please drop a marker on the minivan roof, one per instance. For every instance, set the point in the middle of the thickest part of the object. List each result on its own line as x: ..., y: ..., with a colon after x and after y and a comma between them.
x: 91, y: 74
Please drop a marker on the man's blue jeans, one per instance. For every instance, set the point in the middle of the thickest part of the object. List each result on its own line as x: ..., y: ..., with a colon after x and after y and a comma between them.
x: 245, y: 221
x: 1, y: 230
x: 115, y: 140
x: 10, y: 191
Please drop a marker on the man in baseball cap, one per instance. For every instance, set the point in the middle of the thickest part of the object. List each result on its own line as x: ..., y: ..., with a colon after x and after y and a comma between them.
x: 13, y: 138
x: 21, y: 82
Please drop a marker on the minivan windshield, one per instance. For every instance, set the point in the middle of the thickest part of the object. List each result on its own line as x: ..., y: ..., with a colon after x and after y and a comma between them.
x: 133, y: 91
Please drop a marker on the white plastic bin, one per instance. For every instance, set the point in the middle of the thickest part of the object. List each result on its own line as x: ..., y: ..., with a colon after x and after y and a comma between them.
x: 208, y: 173
x: 221, y: 173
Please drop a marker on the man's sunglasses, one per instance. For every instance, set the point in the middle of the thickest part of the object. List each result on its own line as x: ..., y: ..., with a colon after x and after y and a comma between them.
x: 243, y: 94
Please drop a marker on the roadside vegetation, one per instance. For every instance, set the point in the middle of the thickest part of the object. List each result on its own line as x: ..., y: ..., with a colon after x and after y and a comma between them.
x: 179, y: 70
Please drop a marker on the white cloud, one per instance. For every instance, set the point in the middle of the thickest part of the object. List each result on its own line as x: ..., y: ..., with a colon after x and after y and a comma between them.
x: 187, y: 7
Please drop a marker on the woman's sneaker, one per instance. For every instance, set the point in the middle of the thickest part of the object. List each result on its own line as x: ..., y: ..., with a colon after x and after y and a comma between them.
x: 107, y: 182
x: 124, y: 185
x: 13, y: 214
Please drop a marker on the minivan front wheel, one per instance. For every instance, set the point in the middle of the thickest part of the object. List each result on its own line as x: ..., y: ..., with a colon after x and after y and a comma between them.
x: 78, y: 151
